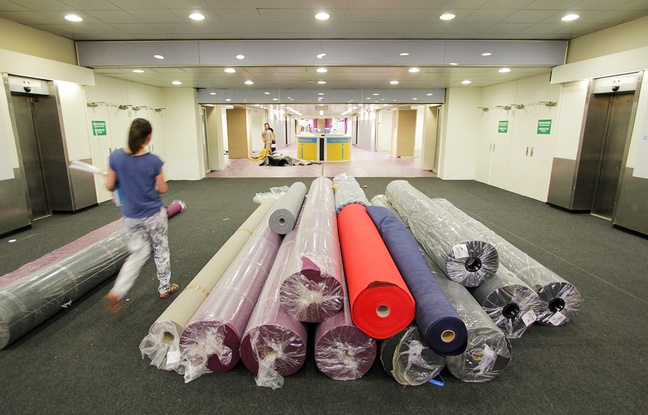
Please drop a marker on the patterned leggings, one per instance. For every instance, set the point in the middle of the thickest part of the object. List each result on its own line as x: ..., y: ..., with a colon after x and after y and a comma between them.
x: 144, y: 234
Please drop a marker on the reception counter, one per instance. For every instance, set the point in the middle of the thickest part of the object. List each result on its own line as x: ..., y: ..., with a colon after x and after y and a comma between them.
x: 323, y: 147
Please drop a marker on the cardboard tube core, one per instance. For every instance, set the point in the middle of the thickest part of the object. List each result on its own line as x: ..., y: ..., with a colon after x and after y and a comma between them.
x: 383, y: 311
x: 447, y: 336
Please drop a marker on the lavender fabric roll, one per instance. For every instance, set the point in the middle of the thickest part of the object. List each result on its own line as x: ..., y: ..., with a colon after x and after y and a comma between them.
x: 444, y: 331
x: 274, y: 343
x: 285, y: 214
x: 312, y: 288
x: 342, y: 350
x: 211, y: 340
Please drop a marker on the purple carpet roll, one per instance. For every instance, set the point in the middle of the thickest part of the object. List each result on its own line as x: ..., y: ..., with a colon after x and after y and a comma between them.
x: 274, y: 343
x: 211, y: 340
x: 312, y: 289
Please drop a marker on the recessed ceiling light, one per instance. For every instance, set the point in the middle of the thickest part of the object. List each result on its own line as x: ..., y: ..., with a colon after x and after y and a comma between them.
x: 158, y: 57
x: 322, y: 70
x: 196, y: 16
x: 275, y: 99
x: 266, y: 93
x: 321, y: 82
x: 321, y: 55
x: 375, y: 95
x: 230, y: 70
x: 415, y: 99
x: 320, y: 93
x: 212, y: 93
x: 405, y: 54
x: 504, y: 70
x: 429, y: 94
x: 228, y: 99
x: 453, y: 63
x: 447, y: 16
x: 368, y: 97
x: 486, y: 54
x: 240, y: 56
x: 466, y: 82
x: 413, y: 70
x: 138, y: 70
x: 176, y: 83
x: 570, y: 17
x: 73, y: 18
x: 322, y: 16
x: 394, y: 82
x: 249, y: 82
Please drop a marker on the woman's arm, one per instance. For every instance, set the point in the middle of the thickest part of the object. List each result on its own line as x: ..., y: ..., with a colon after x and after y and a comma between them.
x: 111, y: 180
x: 160, y: 183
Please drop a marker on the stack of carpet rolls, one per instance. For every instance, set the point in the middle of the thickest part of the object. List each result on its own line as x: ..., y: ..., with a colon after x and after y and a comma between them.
x: 31, y: 299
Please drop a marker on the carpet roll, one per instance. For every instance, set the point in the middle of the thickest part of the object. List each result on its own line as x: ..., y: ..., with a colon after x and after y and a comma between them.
x: 381, y: 303
x: 162, y: 343
x: 312, y: 288
x: 560, y: 301
x: 444, y: 331
x: 458, y: 251
x: 407, y: 359
x: 211, y: 340
x: 28, y: 301
x: 347, y: 191
x: 284, y: 216
x: 342, y: 350
x: 274, y: 343
x: 509, y: 302
x: 381, y: 200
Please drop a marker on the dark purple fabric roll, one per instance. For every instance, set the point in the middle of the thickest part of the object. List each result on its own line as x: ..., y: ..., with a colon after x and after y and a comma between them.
x: 443, y: 329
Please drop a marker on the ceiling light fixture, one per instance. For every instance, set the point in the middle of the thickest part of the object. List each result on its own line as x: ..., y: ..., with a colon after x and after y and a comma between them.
x: 504, y: 70
x: 160, y: 57
x: 486, y: 54
x: 176, y: 83
x: 321, y: 82
x: 413, y: 70
x: 394, y: 82
x: 240, y: 56
x: 322, y: 16
x: 73, y: 18
x: 196, y: 16
x: 321, y: 55
x: 138, y: 70
x: 570, y: 17
x: 466, y: 82
x: 453, y: 63
x: 275, y: 99
x: 429, y: 95
x: 405, y: 54
x: 228, y: 99
x: 249, y: 83
x: 375, y: 95
x: 230, y: 70
x: 212, y: 93
x: 322, y: 70
x: 447, y: 16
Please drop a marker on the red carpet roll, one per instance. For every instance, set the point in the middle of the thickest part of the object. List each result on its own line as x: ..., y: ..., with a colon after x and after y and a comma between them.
x: 381, y: 304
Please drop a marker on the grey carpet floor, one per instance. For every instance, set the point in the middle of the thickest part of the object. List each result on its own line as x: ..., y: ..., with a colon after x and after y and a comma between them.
x: 81, y: 361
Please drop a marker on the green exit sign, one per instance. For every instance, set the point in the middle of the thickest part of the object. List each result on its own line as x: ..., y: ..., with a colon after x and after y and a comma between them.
x: 502, y: 127
x: 544, y: 126
x: 98, y: 127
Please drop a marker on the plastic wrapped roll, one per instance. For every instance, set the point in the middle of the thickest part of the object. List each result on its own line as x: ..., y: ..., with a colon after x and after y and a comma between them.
x: 509, y: 302
x: 284, y: 216
x: 560, y: 301
x: 347, y: 191
x: 458, y: 251
x: 342, y: 350
x: 211, y: 340
x: 28, y: 301
x: 381, y: 303
x: 274, y: 343
x: 162, y: 343
x: 408, y: 360
x: 381, y: 200
x: 436, y: 318
x: 488, y: 351
x: 312, y: 289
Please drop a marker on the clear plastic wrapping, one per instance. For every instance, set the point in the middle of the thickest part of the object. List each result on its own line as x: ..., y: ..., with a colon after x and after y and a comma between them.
x: 211, y: 340
x: 560, y: 301
x: 406, y: 357
x: 511, y: 303
x: 457, y: 250
x: 381, y: 200
x: 347, y: 191
x: 312, y: 288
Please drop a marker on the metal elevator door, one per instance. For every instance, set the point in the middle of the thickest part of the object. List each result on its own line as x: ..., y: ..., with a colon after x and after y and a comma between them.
x: 617, y: 124
x: 26, y: 110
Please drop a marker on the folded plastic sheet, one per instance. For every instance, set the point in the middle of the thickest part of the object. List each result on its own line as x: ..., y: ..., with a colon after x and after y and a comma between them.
x: 285, y: 214
x: 211, y: 340
x: 381, y: 200
x: 381, y: 303
x: 162, y: 343
x: 436, y: 318
x: 560, y: 301
x: 274, y: 343
x: 488, y: 351
x: 509, y: 302
x: 32, y: 299
x: 342, y: 350
x: 458, y: 251
x: 408, y: 360
x: 312, y: 289
x: 348, y: 190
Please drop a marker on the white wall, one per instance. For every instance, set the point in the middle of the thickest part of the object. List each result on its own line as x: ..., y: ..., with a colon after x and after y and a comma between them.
x: 418, y: 134
x: 570, y: 115
x: 367, y: 131
x: 638, y: 151
x: 183, y: 142
x: 385, y: 125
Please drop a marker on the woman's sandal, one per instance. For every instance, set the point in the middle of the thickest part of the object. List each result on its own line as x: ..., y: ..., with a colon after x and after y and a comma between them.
x: 172, y: 288
x: 113, y: 304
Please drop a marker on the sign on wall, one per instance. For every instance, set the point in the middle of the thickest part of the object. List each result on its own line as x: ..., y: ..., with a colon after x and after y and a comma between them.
x: 544, y: 127
x: 98, y: 127
x: 502, y: 127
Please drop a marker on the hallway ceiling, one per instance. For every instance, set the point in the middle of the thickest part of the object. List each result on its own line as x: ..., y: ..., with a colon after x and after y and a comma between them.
x: 166, y: 20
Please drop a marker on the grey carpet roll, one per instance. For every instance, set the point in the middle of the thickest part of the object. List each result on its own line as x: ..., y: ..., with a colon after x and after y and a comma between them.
x: 560, y: 301
x: 509, y: 302
x: 284, y: 216
x: 347, y: 191
x: 459, y: 252
x: 407, y: 359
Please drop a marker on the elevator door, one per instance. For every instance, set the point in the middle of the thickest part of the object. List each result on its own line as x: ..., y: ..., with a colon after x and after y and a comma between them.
x: 30, y: 150
x: 617, y: 123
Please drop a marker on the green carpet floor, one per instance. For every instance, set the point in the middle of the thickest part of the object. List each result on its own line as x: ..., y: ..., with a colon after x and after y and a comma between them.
x: 81, y: 361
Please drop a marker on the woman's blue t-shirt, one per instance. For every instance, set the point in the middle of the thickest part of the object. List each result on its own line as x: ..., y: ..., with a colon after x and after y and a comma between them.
x: 136, y: 180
